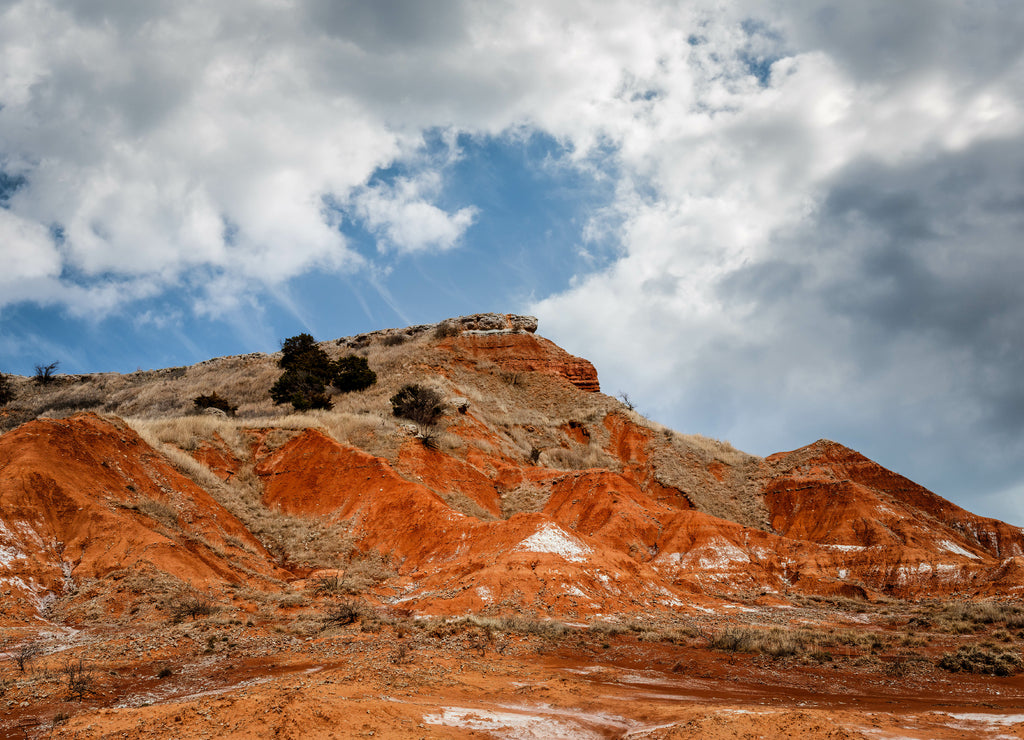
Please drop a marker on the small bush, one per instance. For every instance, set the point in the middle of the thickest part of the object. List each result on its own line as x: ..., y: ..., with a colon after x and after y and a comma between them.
x: 192, y: 606
x: 446, y: 330
x: 45, y: 374
x: 401, y: 654
x: 345, y: 613
x: 421, y: 405
x: 6, y: 391
x: 974, y: 659
x: 393, y: 340
x: 214, y: 401
x: 165, y: 672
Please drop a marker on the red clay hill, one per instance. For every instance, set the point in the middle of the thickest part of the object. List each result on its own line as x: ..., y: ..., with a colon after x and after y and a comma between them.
x: 536, y: 496
x: 542, y: 494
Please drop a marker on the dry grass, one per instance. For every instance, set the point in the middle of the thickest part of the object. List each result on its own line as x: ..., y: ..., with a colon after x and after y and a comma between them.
x: 526, y: 498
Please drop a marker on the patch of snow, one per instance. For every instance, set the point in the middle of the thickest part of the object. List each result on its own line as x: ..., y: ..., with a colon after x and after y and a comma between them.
x: 553, y: 539
x: 957, y: 550
x: 843, y: 573
x: 846, y: 548
x: 484, y: 593
x: 574, y: 591
x: 9, y: 554
x: 988, y: 719
x: 509, y: 724
x: 721, y: 554
x: 716, y: 555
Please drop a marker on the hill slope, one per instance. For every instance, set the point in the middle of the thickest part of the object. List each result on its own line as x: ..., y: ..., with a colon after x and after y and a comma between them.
x: 543, y: 496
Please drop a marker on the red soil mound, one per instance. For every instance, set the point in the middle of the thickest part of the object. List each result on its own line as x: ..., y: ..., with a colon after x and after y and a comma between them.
x: 83, y: 497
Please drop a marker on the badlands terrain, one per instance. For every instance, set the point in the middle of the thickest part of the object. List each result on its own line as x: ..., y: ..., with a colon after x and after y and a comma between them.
x: 542, y: 562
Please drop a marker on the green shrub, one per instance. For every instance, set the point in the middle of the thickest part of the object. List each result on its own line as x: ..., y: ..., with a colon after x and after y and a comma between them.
x: 214, y: 401
x: 352, y: 373
x: 302, y: 352
x: 302, y: 389
x: 308, y: 370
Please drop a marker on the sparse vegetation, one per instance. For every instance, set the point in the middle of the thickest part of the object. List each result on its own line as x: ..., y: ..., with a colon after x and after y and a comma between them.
x: 6, y: 390
x: 45, y: 374
x: 447, y: 330
x: 79, y: 678
x: 24, y: 654
x: 214, y: 401
x: 191, y: 606
x: 975, y: 659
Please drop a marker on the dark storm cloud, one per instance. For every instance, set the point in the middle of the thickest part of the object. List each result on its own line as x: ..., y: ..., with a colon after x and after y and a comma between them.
x: 877, y: 40
x: 906, y: 285
x: 389, y: 24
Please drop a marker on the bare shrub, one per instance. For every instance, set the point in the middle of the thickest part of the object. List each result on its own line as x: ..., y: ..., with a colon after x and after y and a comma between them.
x: 342, y: 614
x: 79, y: 678
x: 6, y: 390
x: 45, y: 374
x: 191, y: 606
x: 401, y: 654
x: 446, y: 330
x: 24, y: 654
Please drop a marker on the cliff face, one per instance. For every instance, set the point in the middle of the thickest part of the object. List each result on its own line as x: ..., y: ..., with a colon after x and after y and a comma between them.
x: 516, y: 352
x: 540, y: 496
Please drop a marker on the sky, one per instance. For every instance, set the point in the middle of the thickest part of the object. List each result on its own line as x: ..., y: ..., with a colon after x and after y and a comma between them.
x: 766, y: 222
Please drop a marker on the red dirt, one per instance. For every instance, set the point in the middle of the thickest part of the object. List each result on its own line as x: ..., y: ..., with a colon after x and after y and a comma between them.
x: 521, y: 352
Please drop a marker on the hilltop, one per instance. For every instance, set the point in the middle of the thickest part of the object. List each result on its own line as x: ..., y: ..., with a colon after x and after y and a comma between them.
x: 537, y: 504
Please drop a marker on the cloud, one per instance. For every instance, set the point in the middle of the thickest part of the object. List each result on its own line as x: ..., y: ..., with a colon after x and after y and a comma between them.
x: 405, y: 220
x: 815, y: 207
x: 832, y: 253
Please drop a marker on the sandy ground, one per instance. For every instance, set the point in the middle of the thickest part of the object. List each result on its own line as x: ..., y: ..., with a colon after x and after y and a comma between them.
x: 209, y: 680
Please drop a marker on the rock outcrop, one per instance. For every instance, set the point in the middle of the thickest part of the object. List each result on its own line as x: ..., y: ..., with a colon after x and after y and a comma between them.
x: 516, y: 352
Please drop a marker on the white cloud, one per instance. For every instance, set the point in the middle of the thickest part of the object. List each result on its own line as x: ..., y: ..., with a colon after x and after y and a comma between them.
x: 401, y: 213
x: 796, y: 188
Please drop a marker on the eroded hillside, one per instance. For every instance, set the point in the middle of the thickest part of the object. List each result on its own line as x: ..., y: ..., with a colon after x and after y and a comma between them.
x: 537, y: 497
